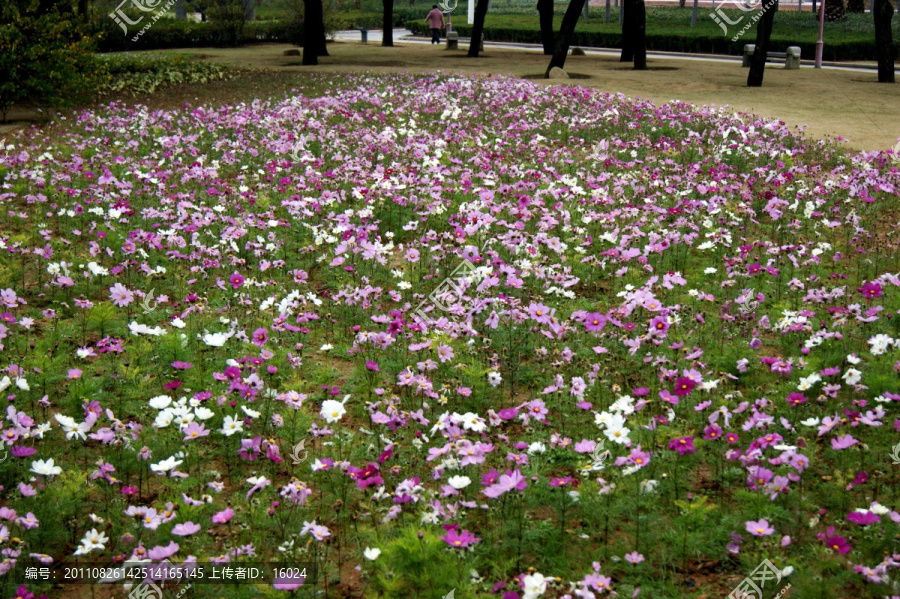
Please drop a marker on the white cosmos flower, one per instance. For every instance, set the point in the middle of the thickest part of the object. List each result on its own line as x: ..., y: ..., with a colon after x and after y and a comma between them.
x: 494, y: 378
x: 327, y: 347
x: 534, y: 585
x: 216, y: 339
x: 371, y: 553
x: 5, y: 382
x: 231, y: 425
x: 160, y: 402
x: 332, y: 410
x: 45, y: 468
x: 93, y: 539
x: 165, y: 465
x: 22, y: 384
x: 203, y: 413
x: 459, y: 482
x: 852, y: 376
x: 536, y: 447
x: 249, y: 412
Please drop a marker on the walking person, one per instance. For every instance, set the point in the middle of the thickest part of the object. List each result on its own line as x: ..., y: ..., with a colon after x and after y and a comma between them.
x: 435, y: 21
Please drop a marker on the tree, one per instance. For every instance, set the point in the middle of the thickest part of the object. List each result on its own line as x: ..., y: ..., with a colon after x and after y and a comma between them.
x: 387, y: 21
x: 639, y: 34
x: 570, y: 19
x: 627, y: 40
x: 477, y: 28
x: 834, y: 10
x: 313, y: 32
x: 857, y: 6
x: 545, y: 14
x: 882, y: 12
x: 763, y: 35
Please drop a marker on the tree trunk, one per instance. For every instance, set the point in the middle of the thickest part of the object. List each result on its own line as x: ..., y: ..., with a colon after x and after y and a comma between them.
x: 627, y: 39
x: 882, y: 12
x: 387, y: 24
x: 681, y: 3
x: 477, y: 28
x: 249, y: 8
x: 545, y: 14
x: 83, y: 8
x: 313, y: 31
x: 834, y: 10
x: 763, y: 35
x: 566, y: 30
x: 639, y: 35
x: 180, y: 12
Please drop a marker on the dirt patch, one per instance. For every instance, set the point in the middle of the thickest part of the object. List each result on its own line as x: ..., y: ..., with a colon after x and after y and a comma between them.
x: 543, y: 76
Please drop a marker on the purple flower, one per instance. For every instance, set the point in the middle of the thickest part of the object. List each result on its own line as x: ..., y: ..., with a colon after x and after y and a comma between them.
x: 683, y: 386
x: 683, y: 445
x: 459, y: 540
x: 863, y: 518
x: 843, y: 442
x: 260, y: 337
x: 185, y: 529
x: 759, y: 528
x: 224, y: 516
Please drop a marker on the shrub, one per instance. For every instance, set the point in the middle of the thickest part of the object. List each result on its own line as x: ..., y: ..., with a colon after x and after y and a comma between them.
x: 44, y: 59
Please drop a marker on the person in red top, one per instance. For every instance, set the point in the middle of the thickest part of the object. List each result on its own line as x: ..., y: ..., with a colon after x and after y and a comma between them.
x: 435, y: 21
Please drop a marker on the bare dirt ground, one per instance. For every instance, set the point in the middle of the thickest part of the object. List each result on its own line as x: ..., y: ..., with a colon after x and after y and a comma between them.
x: 830, y: 103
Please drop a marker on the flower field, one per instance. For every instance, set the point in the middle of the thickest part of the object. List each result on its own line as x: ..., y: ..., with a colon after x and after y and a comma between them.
x: 447, y: 335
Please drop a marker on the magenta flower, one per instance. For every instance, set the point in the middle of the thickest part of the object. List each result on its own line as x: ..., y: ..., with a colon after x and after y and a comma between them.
x: 74, y: 373
x: 863, y: 518
x: 459, y: 540
x: 870, y: 290
x: 683, y: 445
x: 373, y: 366
x: 260, y: 336
x: 181, y: 365
x: 838, y: 544
x: 634, y: 557
x: 683, y: 386
x: 236, y: 281
x: 759, y: 528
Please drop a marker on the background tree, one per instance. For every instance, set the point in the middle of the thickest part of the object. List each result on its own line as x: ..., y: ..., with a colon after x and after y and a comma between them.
x: 857, y: 6
x: 387, y: 23
x: 882, y: 12
x: 627, y: 40
x: 834, y: 10
x: 545, y: 15
x: 639, y: 34
x: 566, y: 30
x: 477, y: 28
x: 763, y: 35
x: 313, y: 32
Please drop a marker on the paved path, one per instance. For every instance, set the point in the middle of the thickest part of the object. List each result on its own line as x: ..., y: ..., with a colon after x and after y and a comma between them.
x: 406, y: 36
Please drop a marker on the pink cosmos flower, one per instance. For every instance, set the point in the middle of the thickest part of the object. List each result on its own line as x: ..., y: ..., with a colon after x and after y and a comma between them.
x: 459, y: 540
x: 759, y: 528
x: 120, y: 295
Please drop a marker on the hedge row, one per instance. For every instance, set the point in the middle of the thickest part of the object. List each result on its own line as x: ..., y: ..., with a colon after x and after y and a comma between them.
x: 840, y: 50
x: 167, y: 33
